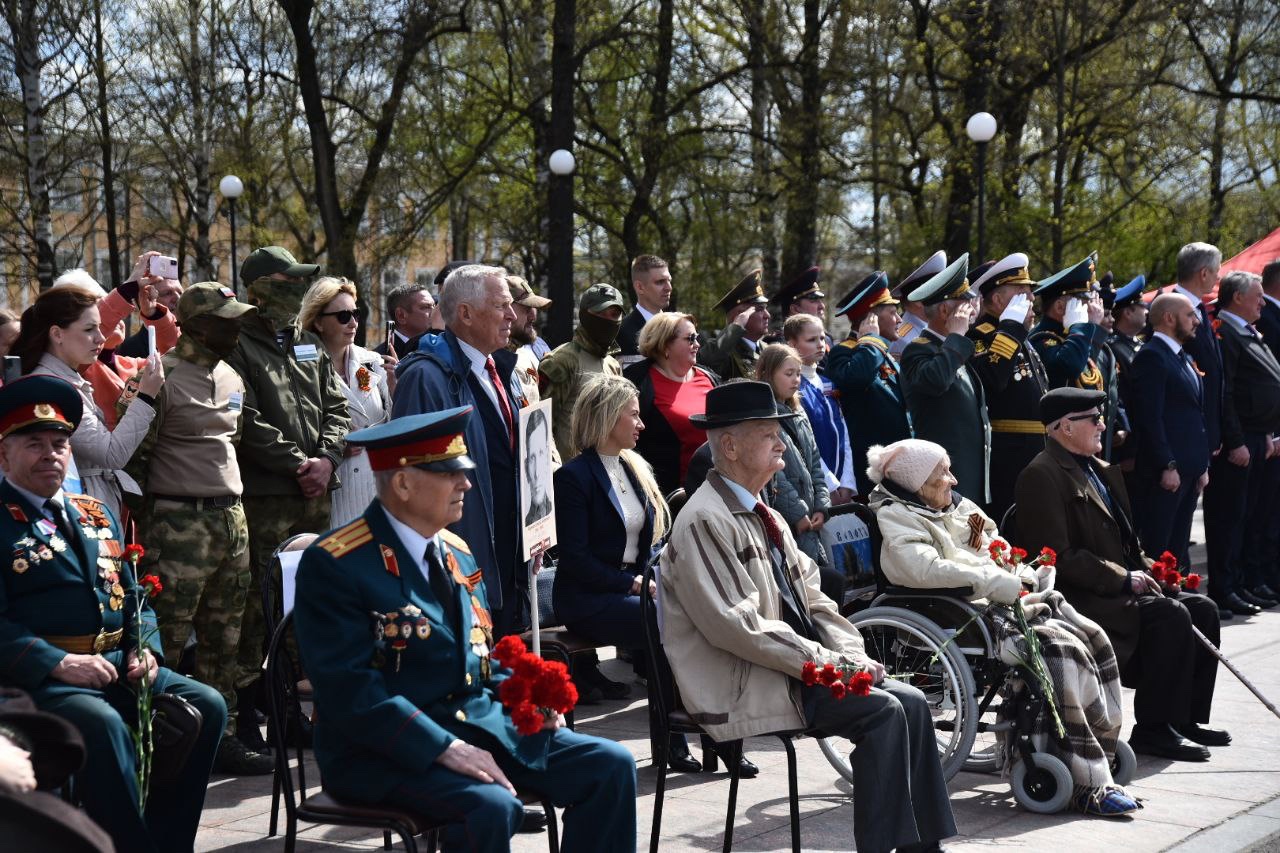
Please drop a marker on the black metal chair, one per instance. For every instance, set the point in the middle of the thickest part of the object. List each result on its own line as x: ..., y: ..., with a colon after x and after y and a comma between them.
x: 670, y: 717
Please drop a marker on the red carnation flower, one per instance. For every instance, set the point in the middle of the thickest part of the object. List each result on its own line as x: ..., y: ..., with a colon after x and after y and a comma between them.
x: 514, y: 691
x: 996, y: 549
x: 860, y: 683
x: 151, y: 584
x: 828, y: 675
x: 1193, y: 582
x: 1168, y: 559
x: 1048, y: 556
x: 510, y: 649
x: 1018, y: 554
x: 527, y: 719
x: 1024, y: 593
x: 133, y: 553
x: 838, y: 690
x: 1173, y: 577
x: 809, y: 673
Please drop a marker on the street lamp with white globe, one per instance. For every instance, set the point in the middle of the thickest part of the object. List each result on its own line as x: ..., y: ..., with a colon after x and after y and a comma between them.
x: 561, y: 162
x: 232, y: 188
x: 981, y: 128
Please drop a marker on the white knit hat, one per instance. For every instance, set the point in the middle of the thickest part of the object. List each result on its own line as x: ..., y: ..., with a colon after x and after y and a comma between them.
x: 908, y: 463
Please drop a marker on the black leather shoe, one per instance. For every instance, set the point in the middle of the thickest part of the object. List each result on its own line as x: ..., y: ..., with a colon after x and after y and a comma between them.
x: 1225, y: 615
x: 534, y: 820
x: 1266, y: 591
x: 1237, y: 605
x: 1204, y: 735
x: 1257, y: 600
x: 1164, y: 742
x: 747, y: 770
x: 681, y: 761
x: 236, y: 759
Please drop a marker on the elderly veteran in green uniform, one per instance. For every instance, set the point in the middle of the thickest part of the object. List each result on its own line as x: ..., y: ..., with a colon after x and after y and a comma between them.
x: 294, y: 422
x: 564, y: 370
x: 944, y: 393
x: 68, y: 625
x: 1070, y: 333
x: 913, y: 319
x: 866, y: 376
x: 732, y: 353
x: 192, y: 521
x: 1013, y: 379
x: 416, y: 723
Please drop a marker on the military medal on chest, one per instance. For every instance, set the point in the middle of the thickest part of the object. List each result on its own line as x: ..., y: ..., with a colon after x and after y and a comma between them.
x: 109, y: 574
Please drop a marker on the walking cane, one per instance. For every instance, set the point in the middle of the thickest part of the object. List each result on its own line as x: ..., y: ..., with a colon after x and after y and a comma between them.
x: 535, y: 563
x: 1237, y: 673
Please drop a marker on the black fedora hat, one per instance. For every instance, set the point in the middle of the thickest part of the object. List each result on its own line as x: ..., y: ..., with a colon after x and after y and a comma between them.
x: 737, y: 402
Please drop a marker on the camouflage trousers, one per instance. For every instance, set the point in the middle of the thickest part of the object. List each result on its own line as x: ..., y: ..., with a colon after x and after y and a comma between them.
x: 202, y: 558
x: 272, y: 520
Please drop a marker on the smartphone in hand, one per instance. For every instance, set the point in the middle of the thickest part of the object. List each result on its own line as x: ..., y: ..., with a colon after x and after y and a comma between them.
x: 391, y: 335
x: 163, y: 266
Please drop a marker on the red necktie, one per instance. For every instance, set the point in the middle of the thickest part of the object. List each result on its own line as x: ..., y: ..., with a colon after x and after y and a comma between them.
x: 504, y: 403
x: 771, y: 528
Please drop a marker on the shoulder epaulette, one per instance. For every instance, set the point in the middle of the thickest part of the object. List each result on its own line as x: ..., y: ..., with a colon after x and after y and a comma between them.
x: 1004, y: 346
x: 985, y: 328
x: 849, y: 342
x: 453, y: 540
x: 348, y: 538
x: 873, y: 340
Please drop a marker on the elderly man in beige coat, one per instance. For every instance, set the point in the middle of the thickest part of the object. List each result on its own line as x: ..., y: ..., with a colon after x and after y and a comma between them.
x: 743, y: 613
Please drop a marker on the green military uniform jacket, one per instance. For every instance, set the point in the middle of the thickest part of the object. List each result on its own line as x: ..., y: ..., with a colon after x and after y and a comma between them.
x: 866, y: 379
x: 948, y: 407
x: 563, y: 372
x: 53, y: 587
x: 294, y: 408
x: 729, y: 355
x: 397, y: 678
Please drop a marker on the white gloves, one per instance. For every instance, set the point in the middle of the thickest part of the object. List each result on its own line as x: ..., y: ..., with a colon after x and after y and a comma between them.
x: 1017, y: 309
x: 1077, y: 312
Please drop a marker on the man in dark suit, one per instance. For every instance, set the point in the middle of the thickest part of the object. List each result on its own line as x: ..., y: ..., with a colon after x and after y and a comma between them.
x: 1198, y: 266
x: 1169, y: 425
x: 1073, y: 502
x: 944, y: 394
x: 1013, y: 379
x: 77, y: 631
x: 866, y: 376
x: 651, y: 280
x: 395, y: 633
x: 411, y: 307
x: 1269, y: 501
x: 1250, y: 415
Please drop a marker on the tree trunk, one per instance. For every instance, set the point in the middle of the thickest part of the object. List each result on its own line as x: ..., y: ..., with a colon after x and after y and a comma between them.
x: 201, y: 143
x: 761, y: 153
x: 800, y: 239
x: 106, y: 145
x: 1217, y: 156
x: 21, y: 17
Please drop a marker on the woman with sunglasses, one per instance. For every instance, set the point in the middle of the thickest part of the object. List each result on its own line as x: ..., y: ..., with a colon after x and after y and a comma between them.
x: 672, y: 388
x: 367, y: 379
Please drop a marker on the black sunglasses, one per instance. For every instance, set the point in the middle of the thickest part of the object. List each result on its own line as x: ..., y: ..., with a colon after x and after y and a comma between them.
x: 1096, y: 418
x: 343, y: 317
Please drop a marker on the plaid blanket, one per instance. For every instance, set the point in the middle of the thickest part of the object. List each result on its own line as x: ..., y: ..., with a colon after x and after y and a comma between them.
x: 1086, y: 684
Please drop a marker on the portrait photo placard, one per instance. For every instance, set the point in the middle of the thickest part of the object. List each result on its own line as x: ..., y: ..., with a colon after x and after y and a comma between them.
x: 537, y: 497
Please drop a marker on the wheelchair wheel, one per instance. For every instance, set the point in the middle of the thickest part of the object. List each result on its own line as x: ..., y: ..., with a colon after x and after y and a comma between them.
x: 1124, y: 763
x: 1044, y: 788
x: 907, y: 645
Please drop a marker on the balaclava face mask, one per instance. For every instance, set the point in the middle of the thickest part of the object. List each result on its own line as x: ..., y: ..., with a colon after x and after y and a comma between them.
x: 599, y: 331
x: 278, y: 301
x: 219, y: 335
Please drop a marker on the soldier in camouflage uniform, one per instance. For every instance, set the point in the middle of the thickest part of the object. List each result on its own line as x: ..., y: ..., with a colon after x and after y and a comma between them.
x: 564, y: 370
x: 192, y: 522
x: 294, y: 427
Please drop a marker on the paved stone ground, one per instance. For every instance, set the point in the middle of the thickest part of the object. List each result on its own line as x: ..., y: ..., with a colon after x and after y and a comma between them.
x: 1230, y: 803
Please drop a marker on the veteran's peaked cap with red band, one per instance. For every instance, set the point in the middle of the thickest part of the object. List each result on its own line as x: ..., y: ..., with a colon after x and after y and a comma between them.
x: 432, y: 442
x: 35, y: 403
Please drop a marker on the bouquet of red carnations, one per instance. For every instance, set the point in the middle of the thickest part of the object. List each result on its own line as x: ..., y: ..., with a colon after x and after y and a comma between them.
x: 1165, y: 571
x: 536, y: 690
x: 842, y: 680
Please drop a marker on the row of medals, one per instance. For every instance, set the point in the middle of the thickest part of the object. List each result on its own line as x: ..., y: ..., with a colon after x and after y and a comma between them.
x: 108, y: 567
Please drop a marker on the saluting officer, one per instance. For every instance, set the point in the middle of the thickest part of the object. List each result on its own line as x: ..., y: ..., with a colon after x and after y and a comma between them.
x: 944, y: 394
x: 395, y: 633
x: 68, y: 625
x: 913, y: 318
x: 1070, y: 332
x: 1012, y: 376
x: 1129, y: 318
x: 732, y: 354
x: 864, y: 374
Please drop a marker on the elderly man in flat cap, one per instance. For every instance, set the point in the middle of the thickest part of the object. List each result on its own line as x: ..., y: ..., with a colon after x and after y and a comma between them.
x: 1073, y: 502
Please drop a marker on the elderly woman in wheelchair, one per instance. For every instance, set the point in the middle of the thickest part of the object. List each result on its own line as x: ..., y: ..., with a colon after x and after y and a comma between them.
x: 935, y: 539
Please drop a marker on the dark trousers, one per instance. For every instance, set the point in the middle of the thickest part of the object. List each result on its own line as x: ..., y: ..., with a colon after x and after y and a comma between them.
x: 107, y: 782
x: 1010, y: 454
x: 618, y: 624
x: 1262, y: 536
x: 594, y: 780
x: 1171, y: 671
x: 1165, y: 520
x: 1231, y: 490
x: 900, y: 797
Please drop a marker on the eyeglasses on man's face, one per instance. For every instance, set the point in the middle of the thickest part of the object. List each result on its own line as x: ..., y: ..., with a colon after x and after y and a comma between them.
x: 1096, y: 417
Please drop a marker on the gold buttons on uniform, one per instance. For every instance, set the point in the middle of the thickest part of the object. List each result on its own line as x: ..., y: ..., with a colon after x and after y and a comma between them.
x: 461, y: 716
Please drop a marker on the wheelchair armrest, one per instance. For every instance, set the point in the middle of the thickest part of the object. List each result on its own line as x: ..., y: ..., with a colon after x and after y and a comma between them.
x: 937, y: 592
